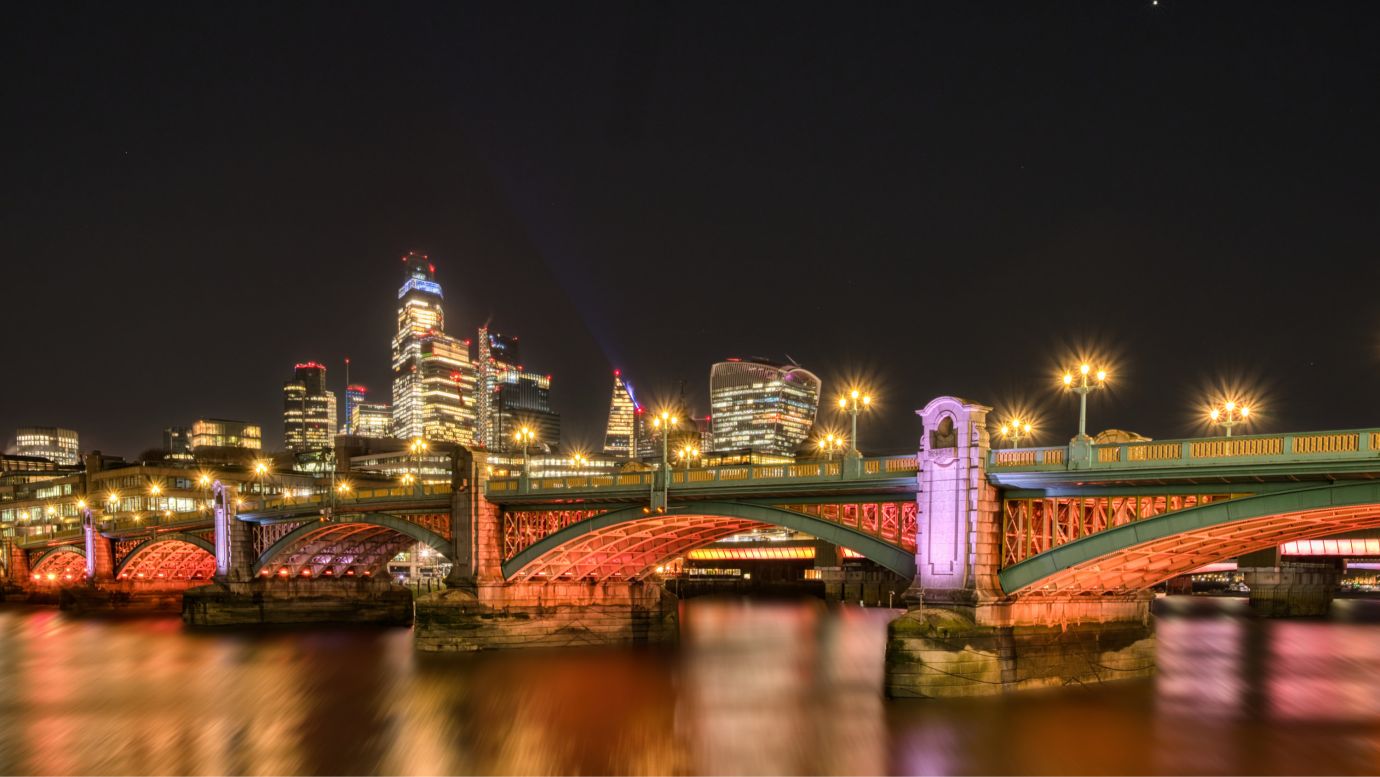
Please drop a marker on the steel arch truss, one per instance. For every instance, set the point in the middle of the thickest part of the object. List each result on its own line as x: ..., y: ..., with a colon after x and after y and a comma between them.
x: 63, y: 565
x: 1138, y: 555
x: 629, y: 543
x: 182, y: 557
x: 361, y: 547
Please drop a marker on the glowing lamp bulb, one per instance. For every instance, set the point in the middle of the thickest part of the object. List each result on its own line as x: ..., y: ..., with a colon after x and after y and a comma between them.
x: 1101, y: 375
x: 1245, y: 411
x: 843, y: 402
x: 1214, y: 414
x: 1068, y: 379
x: 1085, y: 369
x: 1027, y: 429
x: 1230, y: 406
x: 867, y: 400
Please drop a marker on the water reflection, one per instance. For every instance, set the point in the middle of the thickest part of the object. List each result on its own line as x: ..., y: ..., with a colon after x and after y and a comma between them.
x: 753, y: 688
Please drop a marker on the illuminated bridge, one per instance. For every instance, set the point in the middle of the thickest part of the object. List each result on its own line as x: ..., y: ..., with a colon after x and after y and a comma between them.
x: 1124, y: 516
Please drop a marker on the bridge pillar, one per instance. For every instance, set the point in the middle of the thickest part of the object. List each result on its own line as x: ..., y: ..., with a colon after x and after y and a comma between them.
x: 18, y: 564
x: 958, y: 549
x: 100, y: 557
x: 962, y: 636
x: 234, y: 545
x: 1288, y: 589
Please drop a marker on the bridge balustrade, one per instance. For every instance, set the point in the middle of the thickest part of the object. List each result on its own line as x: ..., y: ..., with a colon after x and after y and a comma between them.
x: 1293, y: 448
x: 871, y: 468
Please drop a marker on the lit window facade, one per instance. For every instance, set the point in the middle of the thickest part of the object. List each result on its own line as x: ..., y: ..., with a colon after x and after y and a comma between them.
x: 761, y: 406
x: 372, y: 419
x: 625, y: 415
x: 48, y: 442
x: 355, y: 395
x: 433, y: 378
x: 222, y: 433
x: 309, y: 419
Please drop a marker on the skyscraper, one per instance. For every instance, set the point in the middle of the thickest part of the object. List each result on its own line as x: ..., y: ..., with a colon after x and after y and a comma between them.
x: 625, y: 415
x: 355, y: 395
x: 177, y: 441
x: 309, y: 422
x: 509, y: 397
x: 222, y: 433
x: 373, y: 419
x: 433, y: 378
x: 762, y: 406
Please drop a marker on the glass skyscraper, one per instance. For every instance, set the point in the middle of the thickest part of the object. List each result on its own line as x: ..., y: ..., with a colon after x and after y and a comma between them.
x: 48, y: 442
x: 309, y: 422
x: 433, y: 378
x: 625, y: 418
x: 761, y: 406
x: 510, y: 397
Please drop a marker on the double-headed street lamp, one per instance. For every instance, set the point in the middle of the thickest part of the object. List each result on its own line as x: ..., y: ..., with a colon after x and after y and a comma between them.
x: 855, y: 402
x: 829, y: 443
x: 1015, y: 429
x: 1082, y: 386
x: 1228, y: 415
x: 664, y: 423
x: 687, y: 453
x: 525, y: 437
x: 418, y: 446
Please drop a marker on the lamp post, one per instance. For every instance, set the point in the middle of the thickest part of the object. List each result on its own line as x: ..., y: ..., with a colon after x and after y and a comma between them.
x: 1014, y: 430
x: 829, y: 443
x: 855, y: 402
x: 418, y: 446
x: 687, y: 453
x: 525, y: 436
x: 664, y: 423
x: 261, y: 472
x: 1228, y: 415
x: 154, y: 491
x: 1082, y: 386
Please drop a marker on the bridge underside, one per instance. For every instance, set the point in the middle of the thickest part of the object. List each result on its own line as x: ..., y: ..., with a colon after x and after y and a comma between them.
x: 60, y: 567
x: 336, y: 550
x: 629, y: 551
x: 1145, y: 564
x: 173, y: 560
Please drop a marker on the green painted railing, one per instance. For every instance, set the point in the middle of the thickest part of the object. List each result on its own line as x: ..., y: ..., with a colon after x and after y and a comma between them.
x: 354, y: 496
x: 1351, y: 445
x: 875, y: 468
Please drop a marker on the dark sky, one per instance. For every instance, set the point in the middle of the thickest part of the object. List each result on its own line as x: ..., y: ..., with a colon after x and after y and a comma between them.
x: 937, y: 197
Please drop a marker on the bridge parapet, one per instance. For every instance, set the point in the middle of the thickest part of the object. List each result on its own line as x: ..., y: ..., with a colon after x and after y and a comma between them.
x: 1349, y: 447
x: 807, y: 473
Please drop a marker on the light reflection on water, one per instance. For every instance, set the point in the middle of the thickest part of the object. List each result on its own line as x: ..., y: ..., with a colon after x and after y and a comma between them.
x: 753, y: 688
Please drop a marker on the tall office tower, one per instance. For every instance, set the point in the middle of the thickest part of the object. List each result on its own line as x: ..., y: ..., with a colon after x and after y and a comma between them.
x: 761, y: 406
x: 309, y: 419
x: 355, y: 395
x: 48, y: 442
x: 509, y: 397
x: 625, y: 415
x: 177, y: 441
x: 433, y: 378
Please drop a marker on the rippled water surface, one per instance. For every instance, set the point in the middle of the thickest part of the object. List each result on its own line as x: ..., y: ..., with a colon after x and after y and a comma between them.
x: 753, y: 688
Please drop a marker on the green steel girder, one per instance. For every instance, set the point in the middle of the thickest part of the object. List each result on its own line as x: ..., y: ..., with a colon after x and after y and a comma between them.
x: 1105, y: 543
x: 890, y: 556
x: 435, y: 541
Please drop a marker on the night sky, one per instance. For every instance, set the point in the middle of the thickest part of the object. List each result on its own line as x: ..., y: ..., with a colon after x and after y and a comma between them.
x: 934, y: 197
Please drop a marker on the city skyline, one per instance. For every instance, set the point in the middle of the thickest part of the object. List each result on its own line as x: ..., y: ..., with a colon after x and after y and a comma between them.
x: 841, y: 227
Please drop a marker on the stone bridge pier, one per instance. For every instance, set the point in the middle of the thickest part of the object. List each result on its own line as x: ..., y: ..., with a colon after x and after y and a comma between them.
x: 480, y: 609
x: 961, y: 634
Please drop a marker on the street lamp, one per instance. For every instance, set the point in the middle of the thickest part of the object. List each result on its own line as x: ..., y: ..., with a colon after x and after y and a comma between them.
x: 686, y: 453
x: 829, y: 443
x: 1015, y: 429
x: 261, y: 472
x: 855, y: 402
x: 525, y: 436
x: 1228, y: 415
x: 1082, y: 386
x: 665, y: 423
x: 418, y: 446
x: 154, y: 491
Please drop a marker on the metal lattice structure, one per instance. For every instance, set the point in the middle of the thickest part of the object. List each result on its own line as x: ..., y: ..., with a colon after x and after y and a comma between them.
x: 62, y: 565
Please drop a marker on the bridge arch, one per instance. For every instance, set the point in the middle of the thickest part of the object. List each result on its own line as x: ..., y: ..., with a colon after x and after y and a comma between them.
x: 354, y: 544
x: 60, y: 565
x: 628, y: 542
x: 1137, y: 555
x: 174, y: 556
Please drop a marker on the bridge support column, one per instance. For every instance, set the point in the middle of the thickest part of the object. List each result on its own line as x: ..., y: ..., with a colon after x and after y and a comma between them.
x: 1291, y: 589
x: 962, y: 636
x: 479, y: 610
x: 100, y: 556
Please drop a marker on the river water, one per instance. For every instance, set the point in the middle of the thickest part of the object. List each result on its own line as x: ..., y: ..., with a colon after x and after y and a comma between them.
x: 753, y: 688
